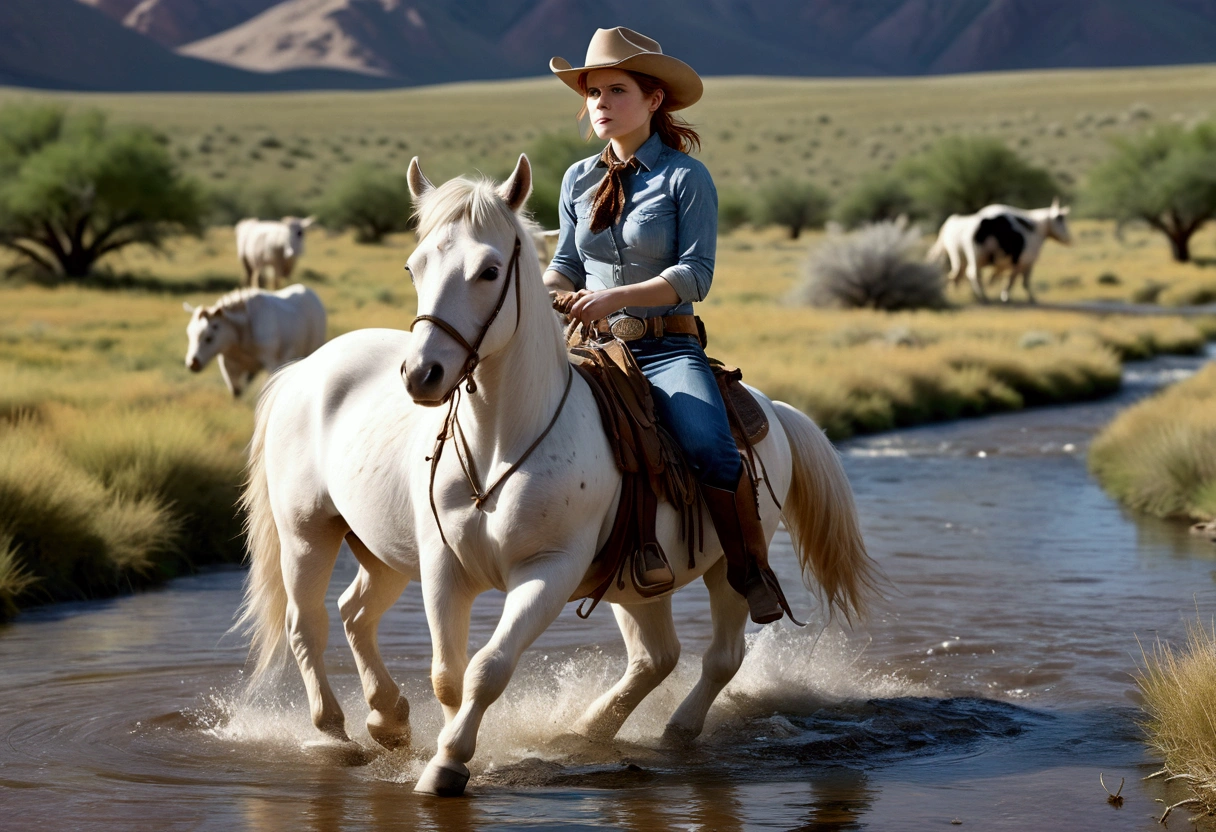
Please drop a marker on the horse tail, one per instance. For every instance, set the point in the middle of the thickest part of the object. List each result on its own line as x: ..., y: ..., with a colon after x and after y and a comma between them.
x: 263, y: 613
x: 821, y: 517
x: 936, y: 252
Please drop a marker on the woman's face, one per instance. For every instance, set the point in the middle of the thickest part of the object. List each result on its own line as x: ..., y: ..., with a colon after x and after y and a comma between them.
x: 616, y: 104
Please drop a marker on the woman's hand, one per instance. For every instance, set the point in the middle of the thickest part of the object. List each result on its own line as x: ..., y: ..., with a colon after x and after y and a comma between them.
x: 594, y: 306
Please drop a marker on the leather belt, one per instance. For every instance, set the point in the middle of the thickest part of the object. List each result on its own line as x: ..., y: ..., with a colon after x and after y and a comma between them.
x: 628, y: 328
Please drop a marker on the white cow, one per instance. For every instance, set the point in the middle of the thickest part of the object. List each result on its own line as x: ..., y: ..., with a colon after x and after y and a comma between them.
x: 252, y: 329
x: 270, y: 244
x: 1008, y: 239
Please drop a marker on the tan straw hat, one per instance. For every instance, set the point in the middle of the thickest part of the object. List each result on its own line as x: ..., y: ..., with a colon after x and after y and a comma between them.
x: 622, y: 48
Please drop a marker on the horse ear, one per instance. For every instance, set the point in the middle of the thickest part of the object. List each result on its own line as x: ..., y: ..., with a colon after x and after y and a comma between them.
x: 218, y: 312
x: 189, y: 307
x: 419, y: 184
x: 1064, y: 211
x: 307, y: 221
x: 516, y: 189
x: 1055, y: 206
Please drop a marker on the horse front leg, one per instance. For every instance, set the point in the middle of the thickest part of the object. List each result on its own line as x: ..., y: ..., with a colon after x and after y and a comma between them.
x: 654, y: 650
x: 376, y: 588
x: 536, y: 592
x: 721, y: 661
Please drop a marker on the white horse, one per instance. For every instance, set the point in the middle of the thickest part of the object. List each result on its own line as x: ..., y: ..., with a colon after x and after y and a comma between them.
x: 341, y: 449
x: 252, y: 330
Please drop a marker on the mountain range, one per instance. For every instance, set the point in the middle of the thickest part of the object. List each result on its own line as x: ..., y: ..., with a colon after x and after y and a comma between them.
x: 285, y: 44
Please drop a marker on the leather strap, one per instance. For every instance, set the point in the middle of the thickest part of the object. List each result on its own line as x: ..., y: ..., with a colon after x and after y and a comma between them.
x: 656, y: 327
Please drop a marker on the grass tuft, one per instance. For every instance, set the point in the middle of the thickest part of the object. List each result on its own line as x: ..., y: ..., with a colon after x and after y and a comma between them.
x: 1179, y: 688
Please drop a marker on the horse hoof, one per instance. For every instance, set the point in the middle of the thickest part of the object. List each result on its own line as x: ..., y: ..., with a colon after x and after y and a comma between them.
x: 676, y: 738
x: 391, y: 731
x: 446, y: 779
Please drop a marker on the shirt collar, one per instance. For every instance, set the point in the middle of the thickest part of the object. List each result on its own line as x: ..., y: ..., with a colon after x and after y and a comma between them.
x: 647, y: 155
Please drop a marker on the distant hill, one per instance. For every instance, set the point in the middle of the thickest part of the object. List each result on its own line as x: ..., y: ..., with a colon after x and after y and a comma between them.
x: 408, y: 42
x: 63, y: 44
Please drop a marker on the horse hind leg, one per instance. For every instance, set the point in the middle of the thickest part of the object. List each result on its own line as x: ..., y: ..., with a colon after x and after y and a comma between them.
x: 720, y: 662
x: 376, y: 588
x: 654, y: 650
x: 308, y: 557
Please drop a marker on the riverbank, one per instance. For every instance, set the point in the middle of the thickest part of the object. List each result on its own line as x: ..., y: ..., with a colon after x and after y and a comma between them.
x: 121, y: 468
x: 1159, y: 456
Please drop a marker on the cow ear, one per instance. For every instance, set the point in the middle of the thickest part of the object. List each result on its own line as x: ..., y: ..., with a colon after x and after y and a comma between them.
x: 307, y: 221
x: 189, y: 307
x: 419, y: 184
x: 518, y: 186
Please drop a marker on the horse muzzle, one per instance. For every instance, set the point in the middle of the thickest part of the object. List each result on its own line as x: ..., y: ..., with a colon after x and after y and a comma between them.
x: 194, y: 365
x: 425, y: 383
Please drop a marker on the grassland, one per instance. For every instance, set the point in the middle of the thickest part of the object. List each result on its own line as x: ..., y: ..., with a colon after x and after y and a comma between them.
x: 120, y: 468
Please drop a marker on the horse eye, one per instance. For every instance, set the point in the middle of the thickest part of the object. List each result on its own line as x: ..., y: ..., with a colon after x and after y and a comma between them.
x: 489, y: 274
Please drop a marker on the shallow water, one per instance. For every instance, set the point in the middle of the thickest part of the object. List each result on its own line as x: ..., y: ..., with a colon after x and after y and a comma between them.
x: 992, y: 687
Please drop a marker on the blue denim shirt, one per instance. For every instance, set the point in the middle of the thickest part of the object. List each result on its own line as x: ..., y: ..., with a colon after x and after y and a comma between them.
x: 669, y: 228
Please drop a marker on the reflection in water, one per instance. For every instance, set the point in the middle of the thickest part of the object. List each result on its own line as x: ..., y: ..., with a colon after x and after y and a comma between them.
x: 1001, y: 656
x: 841, y: 799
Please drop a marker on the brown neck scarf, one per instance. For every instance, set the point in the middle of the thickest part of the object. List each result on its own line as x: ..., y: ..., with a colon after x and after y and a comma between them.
x: 609, y: 202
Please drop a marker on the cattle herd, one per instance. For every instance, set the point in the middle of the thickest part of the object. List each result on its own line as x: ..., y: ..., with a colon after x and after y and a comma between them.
x: 260, y: 327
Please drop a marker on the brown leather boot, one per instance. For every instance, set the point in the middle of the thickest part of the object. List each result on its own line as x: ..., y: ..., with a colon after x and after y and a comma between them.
x: 737, y: 521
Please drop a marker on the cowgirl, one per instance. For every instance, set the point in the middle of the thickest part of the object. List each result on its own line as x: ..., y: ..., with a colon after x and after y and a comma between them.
x: 639, y: 226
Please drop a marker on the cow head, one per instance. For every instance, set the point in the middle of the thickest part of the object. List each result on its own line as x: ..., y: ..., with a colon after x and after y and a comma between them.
x: 295, y: 235
x: 1057, y: 222
x: 209, y: 332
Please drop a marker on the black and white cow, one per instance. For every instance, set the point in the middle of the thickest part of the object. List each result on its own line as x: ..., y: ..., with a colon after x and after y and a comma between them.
x: 1008, y: 239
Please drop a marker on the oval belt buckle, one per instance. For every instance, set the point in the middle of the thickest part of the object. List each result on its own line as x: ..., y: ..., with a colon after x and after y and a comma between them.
x: 628, y: 328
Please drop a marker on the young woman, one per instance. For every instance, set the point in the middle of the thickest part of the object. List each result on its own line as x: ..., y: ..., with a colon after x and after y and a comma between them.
x: 639, y: 226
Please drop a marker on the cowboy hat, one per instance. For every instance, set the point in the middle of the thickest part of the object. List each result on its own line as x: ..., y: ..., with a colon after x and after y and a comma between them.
x: 622, y: 48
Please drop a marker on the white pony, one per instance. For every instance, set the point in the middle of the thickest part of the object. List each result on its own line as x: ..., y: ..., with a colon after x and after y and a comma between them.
x: 270, y: 244
x: 341, y: 448
x: 252, y: 330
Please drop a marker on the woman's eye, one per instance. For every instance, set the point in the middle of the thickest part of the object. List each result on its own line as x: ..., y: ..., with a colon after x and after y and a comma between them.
x: 489, y: 274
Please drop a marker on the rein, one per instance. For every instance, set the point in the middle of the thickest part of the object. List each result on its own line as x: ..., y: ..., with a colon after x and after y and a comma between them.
x: 451, y: 423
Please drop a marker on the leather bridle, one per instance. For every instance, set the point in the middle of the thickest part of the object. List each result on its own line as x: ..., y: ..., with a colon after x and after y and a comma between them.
x: 451, y: 423
x: 472, y: 358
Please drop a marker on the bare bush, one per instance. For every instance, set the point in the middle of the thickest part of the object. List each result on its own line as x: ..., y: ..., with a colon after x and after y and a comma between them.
x: 874, y: 267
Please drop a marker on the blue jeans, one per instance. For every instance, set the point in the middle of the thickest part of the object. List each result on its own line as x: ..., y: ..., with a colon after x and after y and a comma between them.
x: 690, y: 406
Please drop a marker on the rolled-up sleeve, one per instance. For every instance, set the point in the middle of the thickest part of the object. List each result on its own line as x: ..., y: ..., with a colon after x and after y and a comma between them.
x: 565, y: 257
x: 696, y: 234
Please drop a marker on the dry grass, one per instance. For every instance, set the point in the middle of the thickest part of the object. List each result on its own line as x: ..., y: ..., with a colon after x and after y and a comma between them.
x: 1179, y: 688
x: 1159, y: 456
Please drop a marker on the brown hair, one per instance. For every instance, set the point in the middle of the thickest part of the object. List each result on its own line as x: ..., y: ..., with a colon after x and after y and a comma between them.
x: 673, y: 131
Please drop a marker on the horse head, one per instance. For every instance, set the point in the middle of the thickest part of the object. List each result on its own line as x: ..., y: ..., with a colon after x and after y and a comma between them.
x: 1057, y: 222
x: 208, y: 333
x: 473, y: 250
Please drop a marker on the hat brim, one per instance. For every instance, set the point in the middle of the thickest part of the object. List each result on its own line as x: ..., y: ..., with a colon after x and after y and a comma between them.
x: 683, y: 85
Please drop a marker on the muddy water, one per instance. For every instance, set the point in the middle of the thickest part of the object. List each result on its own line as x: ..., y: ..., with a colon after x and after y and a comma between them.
x: 991, y: 688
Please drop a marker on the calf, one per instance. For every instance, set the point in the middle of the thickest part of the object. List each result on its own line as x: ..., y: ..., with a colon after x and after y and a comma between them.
x: 252, y: 330
x: 1008, y: 239
x: 270, y: 244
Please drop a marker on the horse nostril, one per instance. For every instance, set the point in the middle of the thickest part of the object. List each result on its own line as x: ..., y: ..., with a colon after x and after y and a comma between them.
x: 433, y: 375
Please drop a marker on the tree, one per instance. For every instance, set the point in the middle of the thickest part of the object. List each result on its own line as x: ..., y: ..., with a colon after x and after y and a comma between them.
x: 877, y: 198
x: 551, y: 154
x: 1166, y: 177
x: 960, y: 175
x: 74, y: 189
x: 370, y: 200
x: 795, y: 205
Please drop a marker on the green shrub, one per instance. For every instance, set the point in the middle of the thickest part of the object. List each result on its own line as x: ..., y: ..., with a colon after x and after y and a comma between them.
x: 960, y: 175
x: 877, y: 198
x: 370, y: 200
x: 793, y: 205
x: 551, y: 154
x: 734, y: 210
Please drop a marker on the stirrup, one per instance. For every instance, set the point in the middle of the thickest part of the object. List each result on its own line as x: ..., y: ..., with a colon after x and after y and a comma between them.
x: 652, y: 574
